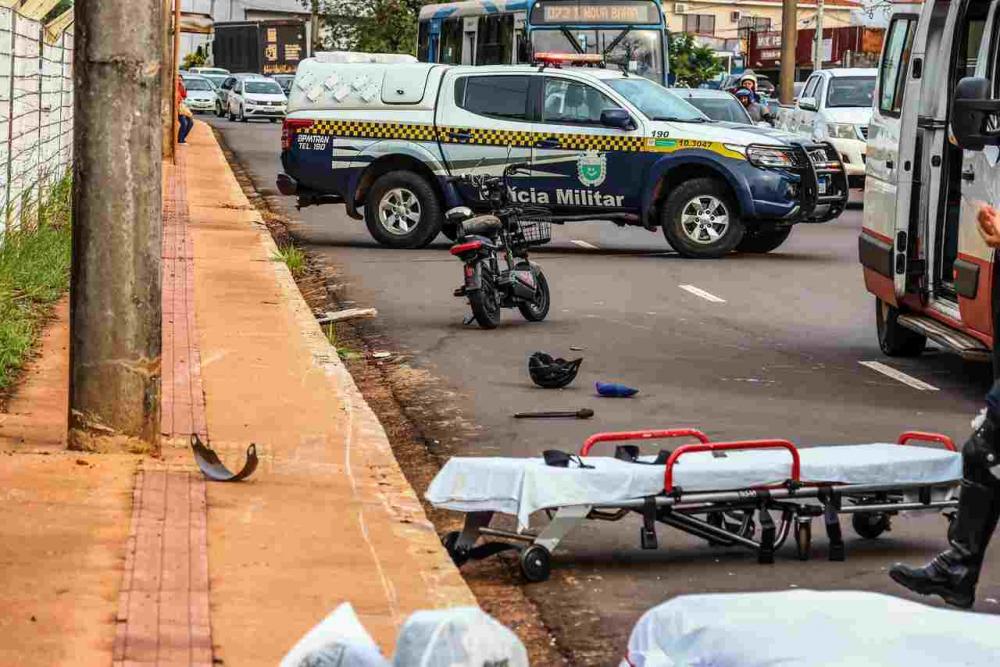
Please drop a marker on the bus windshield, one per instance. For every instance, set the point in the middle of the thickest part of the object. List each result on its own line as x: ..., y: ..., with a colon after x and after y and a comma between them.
x: 641, y: 49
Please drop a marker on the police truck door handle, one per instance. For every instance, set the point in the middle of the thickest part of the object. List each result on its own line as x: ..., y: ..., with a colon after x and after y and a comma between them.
x: 968, y: 175
x: 461, y: 136
x: 549, y: 142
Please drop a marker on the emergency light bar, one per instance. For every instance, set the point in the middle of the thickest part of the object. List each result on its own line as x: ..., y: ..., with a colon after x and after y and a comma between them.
x: 558, y: 59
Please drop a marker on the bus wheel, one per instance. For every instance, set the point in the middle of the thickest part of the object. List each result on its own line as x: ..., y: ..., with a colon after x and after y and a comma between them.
x: 402, y: 210
x: 700, y: 219
x: 895, y: 339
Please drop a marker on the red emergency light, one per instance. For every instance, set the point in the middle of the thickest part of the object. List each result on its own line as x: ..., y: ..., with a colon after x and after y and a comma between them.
x: 559, y: 59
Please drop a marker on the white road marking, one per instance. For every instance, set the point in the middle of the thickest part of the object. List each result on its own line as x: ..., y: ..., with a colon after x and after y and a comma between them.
x: 900, y: 376
x: 697, y: 291
x: 584, y: 244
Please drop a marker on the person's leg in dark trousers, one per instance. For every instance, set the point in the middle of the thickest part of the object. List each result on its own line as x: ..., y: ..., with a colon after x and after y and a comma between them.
x: 185, y: 128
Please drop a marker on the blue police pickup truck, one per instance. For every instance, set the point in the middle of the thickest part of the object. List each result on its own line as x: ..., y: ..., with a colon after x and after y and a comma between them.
x: 383, y: 138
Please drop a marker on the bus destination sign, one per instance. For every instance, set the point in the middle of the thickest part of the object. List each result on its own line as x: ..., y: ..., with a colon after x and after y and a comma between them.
x: 594, y: 12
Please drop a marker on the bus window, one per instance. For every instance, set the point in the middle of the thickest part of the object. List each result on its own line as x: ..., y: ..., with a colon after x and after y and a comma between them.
x: 496, y: 40
x: 423, y: 36
x: 451, y: 42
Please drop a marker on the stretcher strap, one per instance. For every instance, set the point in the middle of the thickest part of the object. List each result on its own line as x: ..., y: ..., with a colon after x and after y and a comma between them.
x: 831, y: 517
x: 647, y: 534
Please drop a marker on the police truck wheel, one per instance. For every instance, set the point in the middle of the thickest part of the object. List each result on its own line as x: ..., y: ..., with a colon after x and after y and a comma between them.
x: 895, y: 339
x: 700, y: 219
x: 537, y: 308
x: 761, y: 241
x: 402, y: 210
x: 536, y: 563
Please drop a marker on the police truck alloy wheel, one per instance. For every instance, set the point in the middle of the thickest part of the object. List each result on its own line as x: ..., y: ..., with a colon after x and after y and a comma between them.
x: 700, y: 220
x: 761, y: 240
x: 894, y: 339
x: 536, y: 563
x: 538, y: 308
x: 402, y: 210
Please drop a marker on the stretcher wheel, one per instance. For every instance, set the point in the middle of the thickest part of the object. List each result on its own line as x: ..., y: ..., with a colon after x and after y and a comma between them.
x: 450, y: 542
x: 803, y: 539
x: 536, y: 563
x: 870, y: 525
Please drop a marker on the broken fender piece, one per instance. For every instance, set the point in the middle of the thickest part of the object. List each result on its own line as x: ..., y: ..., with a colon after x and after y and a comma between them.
x: 210, y: 465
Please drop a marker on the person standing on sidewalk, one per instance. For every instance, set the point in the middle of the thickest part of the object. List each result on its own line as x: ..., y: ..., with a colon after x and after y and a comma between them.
x: 954, y: 573
x: 184, y: 115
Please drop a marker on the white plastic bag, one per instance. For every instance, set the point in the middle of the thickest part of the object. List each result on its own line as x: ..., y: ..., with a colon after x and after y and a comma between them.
x: 339, y: 640
x: 459, y: 637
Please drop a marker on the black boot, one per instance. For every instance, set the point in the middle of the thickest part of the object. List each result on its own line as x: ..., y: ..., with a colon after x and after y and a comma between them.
x: 954, y: 573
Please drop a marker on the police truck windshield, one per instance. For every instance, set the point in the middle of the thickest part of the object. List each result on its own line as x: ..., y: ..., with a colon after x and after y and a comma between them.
x: 850, y: 91
x: 263, y: 88
x: 657, y: 102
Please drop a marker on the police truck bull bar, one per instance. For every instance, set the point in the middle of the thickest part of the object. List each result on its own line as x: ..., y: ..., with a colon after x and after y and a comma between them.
x: 723, y: 492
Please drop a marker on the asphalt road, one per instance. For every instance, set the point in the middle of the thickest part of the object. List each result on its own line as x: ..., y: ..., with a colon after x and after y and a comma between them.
x: 777, y: 355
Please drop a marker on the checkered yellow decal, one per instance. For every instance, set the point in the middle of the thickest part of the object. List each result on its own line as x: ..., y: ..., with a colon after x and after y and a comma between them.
x: 490, y: 137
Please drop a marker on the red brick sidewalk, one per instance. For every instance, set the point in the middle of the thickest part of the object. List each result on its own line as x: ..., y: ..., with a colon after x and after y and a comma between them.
x: 163, y: 608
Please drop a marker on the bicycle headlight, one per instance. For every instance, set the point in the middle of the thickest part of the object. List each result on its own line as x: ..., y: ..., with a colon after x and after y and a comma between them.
x: 770, y: 157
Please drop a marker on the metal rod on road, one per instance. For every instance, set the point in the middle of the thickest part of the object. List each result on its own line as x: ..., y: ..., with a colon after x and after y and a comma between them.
x: 788, y: 36
x: 115, y: 314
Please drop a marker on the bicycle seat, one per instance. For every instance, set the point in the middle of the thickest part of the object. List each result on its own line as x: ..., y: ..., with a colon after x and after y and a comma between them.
x: 482, y: 225
x: 458, y: 214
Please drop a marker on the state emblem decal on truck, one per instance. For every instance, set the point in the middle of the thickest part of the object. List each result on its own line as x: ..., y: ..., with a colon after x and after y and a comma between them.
x: 591, y: 169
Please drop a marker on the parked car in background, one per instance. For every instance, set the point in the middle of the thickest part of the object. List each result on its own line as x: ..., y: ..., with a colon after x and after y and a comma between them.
x: 836, y: 106
x: 201, y: 94
x: 716, y: 104
x: 285, y: 81
x: 223, y: 90
x: 208, y: 70
x: 256, y: 97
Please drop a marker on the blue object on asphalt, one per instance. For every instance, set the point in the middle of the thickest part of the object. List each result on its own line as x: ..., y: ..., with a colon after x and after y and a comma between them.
x: 615, y: 390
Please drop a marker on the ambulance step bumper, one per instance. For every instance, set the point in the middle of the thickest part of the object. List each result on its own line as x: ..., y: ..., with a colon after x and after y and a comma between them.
x: 963, y: 344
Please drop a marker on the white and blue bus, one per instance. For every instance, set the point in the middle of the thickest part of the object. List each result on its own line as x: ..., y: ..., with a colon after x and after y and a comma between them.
x: 500, y: 32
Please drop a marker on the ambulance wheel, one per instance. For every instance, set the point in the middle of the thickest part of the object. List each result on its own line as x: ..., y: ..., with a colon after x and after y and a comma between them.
x: 449, y: 541
x: 700, y: 219
x: 803, y: 539
x: 402, y: 210
x: 761, y: 240
x: 536, y: 563
x: 895, y: 339
x: 870, y: 525
x: 536, y: 309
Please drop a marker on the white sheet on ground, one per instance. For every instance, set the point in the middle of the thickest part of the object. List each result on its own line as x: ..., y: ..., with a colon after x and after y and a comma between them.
x: 458, y: 637
x: 818, y: 629
x: 520, y: 486
x: 339, y: 640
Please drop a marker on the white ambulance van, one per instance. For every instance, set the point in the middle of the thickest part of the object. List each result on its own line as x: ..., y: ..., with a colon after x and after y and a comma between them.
x: 931, y: 162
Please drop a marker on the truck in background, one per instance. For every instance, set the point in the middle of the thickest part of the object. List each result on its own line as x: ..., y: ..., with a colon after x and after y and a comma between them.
x: 262, y: 47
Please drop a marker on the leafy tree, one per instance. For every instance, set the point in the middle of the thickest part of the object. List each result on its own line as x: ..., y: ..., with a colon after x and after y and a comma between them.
x: 58, y: 10
x: 384, y: 26
x: 196, y: 58
x: 690, y: 63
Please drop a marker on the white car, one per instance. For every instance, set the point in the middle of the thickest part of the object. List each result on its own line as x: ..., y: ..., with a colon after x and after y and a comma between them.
x: 200, y: 94
x: 257, y: 97
x: 836, y: 106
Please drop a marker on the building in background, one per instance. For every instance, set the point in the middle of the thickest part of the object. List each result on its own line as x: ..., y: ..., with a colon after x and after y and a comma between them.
x: 198, y: 12
x: 734, y: 19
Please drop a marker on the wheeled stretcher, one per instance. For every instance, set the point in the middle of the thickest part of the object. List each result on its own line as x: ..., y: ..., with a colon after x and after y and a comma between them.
x: 727, y: 493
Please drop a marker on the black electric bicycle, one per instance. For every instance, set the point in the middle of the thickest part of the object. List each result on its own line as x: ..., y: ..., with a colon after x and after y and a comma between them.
x: 508, y: 231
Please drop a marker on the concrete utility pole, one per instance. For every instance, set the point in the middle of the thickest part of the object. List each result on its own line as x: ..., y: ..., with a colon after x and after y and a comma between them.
x: 115, y: 290
x: 789, y: 34
x: 168, y: 85
x: 818, y: 38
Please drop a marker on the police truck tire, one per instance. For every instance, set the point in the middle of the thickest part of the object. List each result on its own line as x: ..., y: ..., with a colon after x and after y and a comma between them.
x: 402, y: 210
x: 763, y: 240
x: 700, y: 219
x: 895, y: 339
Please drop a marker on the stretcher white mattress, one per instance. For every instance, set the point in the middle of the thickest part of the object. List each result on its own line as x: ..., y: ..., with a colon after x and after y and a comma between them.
x: 521, y: 486
x: 818, y: 629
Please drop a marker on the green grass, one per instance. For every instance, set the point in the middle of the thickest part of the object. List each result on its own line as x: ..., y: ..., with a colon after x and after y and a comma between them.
x: 344, y: 353
x: 34, y: 273
x: 293, y: 258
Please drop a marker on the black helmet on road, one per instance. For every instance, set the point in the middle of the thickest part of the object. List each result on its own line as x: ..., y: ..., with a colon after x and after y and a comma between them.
x: 552, y: 373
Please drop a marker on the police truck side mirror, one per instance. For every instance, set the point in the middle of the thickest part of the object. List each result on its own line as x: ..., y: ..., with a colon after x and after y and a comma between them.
x: 971, y: 112
x: 617, y: 118
x: 807, y: 103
